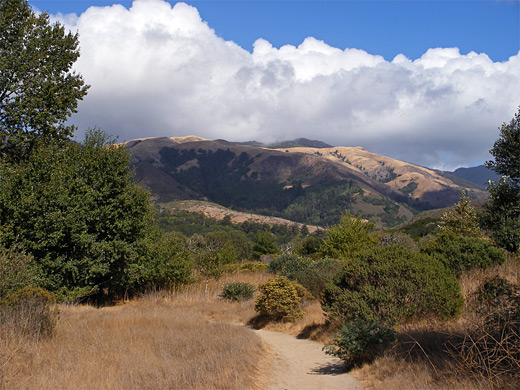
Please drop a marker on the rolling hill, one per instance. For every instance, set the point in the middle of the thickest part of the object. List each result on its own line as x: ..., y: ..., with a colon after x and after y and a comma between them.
x: 312, y: 185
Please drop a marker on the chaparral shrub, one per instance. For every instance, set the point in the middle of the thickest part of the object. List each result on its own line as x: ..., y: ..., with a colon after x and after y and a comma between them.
x: 392, y: 284
x: 288, y: 264
x: 279, y: 300
x: 360, y: 342
x: 238, y: 291
x: 460, y: 253
x: 29, y: 311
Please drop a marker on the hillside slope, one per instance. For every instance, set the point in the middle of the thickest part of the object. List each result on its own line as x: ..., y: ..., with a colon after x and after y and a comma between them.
x: 430, y: 188
x: 304, y: 184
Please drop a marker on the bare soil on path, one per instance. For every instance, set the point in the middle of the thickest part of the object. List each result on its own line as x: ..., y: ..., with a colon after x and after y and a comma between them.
x: 302, y: 365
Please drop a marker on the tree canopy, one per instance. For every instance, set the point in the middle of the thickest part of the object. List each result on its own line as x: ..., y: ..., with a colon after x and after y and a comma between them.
x: 503, y: 209
x: 76, y: 210
x: 506, y: 151
x: 38, y: 90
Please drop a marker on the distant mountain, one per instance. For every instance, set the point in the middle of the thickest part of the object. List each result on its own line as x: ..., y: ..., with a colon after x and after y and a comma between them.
x: 479, y: 175
x: 312, y: 185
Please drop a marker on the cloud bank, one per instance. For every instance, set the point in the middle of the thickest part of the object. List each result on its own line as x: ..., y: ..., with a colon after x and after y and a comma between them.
x: 158, y: 70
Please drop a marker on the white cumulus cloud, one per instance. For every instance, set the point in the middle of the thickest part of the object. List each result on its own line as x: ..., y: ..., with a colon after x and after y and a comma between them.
x: 158, y: 70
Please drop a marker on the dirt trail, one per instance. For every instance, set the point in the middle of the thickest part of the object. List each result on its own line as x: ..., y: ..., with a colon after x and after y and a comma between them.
x: 302, y: 365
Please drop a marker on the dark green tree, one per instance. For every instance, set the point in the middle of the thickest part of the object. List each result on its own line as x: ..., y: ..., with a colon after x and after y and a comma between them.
x: 506, y: 151
x: 463, y: 220
x: 503, y: 209
x: 165, y: 262
x: 38, y: 90
x: 76, y: 210
x: 350, y: 236
x: 264, y: 244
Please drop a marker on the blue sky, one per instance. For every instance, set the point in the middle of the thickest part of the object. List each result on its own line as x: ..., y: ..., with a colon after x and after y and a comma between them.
x: 386, y: 27
x: 427, y: 82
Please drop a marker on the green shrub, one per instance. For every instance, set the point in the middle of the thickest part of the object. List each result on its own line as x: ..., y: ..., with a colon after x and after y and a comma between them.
x: 16, y: 270
x: 288, y: 264
x: 317, y: 275
x: 392, y: 284
x: 235, y: 240
x: 246, y: 267
x: 460, y: 253
x: 308, y: 246
x: 279, y: 300
x: 302, y: 292
x: 264, y: 244
x: 165, y: 262
x: 360, y: 342
x: 30, y: 312
x: 350, y: 236
x: 311, y: 274
x: 238, y: 291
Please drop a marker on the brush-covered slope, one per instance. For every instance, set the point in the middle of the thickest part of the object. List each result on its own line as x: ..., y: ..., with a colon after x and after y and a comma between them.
x: 308, y: 185
x: 427, y: 187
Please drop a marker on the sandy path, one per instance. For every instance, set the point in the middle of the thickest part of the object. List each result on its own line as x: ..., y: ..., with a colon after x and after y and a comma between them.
x: 302, y: 365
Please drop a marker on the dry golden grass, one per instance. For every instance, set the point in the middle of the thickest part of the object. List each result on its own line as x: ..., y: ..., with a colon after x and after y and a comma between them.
x: 156, y: 342
x: 311, y: 326
x: 185, y: 339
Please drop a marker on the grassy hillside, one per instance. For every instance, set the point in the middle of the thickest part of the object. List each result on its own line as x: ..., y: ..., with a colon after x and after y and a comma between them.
x: 306, y: 185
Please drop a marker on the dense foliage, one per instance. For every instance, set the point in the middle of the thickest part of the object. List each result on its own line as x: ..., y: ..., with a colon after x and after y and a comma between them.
x: 311, y: 274
x: 279, y: 300
x: 392, y: 284
x: 460, y: 253
x: 238, y: 291
x: 165, y: 262
x: 16, y: 270
x: 502, y: 215
x: 503, y: 210
x: 360, y: 342
x: 38, y: 91
x: 348, y: 237
x: 76, y: 210
x: 264, y: 244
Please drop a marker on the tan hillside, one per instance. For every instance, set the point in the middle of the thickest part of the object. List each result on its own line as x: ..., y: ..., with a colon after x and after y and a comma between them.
x: 218, y: 212
x: 188, y: 138
x: 311, y: 185
x: 415, y: 181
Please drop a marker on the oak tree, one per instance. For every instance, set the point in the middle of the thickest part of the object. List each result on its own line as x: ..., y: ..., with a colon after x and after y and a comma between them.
x: 503, y: 208
x: 38, y: 89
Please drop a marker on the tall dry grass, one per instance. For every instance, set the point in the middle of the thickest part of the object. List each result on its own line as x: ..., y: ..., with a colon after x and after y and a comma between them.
x: 173, y: 341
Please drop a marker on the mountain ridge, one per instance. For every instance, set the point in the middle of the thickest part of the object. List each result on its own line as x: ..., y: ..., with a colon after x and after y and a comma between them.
x: 312, y: 185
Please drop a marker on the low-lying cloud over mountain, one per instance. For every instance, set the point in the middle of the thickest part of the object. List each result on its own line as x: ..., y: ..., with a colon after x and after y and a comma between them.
x: 158, y: 70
